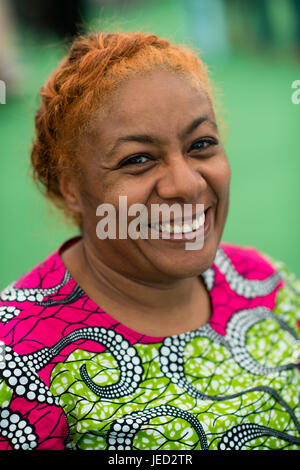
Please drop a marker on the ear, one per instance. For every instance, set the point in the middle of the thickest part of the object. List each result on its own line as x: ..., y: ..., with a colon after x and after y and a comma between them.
x: 69, y: 190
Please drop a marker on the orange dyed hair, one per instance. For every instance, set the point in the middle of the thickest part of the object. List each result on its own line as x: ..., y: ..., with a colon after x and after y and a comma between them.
x: 85, y: 78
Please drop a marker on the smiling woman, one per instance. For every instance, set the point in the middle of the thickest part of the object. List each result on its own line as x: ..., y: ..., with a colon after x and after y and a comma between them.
x: 126, y: 343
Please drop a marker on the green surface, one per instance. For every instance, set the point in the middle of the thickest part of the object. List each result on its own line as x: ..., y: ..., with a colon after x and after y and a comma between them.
x: 263, y: 145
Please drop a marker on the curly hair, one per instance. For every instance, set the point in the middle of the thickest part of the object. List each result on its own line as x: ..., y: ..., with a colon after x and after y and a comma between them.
x: 94, y: 67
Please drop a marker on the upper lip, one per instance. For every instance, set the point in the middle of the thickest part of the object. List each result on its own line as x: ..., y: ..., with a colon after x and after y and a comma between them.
x: 180, y: 220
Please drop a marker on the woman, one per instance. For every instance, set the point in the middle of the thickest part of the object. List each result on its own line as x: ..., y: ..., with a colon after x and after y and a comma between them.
x: 138, y: 342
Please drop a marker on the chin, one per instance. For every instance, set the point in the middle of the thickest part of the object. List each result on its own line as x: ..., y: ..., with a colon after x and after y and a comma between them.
x: 187, y: 264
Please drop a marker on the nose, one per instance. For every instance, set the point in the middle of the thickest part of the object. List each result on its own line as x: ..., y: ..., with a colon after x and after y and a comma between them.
x: 181, y: 179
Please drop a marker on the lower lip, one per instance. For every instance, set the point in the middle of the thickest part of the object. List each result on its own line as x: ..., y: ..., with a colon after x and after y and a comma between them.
x: 185, y: 237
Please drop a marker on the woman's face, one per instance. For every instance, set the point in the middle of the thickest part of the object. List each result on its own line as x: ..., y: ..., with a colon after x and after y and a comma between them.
x: 155, y: 142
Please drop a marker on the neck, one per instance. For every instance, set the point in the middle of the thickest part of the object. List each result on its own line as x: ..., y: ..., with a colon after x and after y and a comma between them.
x: 152, y: 308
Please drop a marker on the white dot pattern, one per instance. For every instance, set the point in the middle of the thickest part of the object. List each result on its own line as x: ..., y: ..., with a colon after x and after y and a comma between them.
x: 31, y: 295
x: 123, y: 430
x: 237, y: 436
x: 248, y: 288
x: 22, y: 380
x: 236, y: 336
x: 176, y: 360
x: 17, y: 430
x: 172, y: 359
x: 7, y: 312
x: 127, y: 357
x: 209, y: 278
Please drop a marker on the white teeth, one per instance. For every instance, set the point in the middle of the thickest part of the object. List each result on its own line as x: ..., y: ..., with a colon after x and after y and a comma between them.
x: 195, y: 224
x: 177, y: 229
x: 185, y: 228
x: 199, y: 222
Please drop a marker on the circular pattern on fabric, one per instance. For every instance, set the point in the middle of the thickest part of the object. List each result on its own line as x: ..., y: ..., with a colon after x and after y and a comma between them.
x: 20, y: 378
x: 209, y: 278
x: 17, y: 430
x: 8, y: 312
x: 171, y: 356
x: 2, y: 355
x: 129, y: 363
x: 127, y: 357
x: 200, y: 374
x: 123, y: 430
x: 236, y: 336
x: 91, y: 418
x: 11, y: 294
x: 172, y: 349
x: 236, y: 437
x: 248, y: 288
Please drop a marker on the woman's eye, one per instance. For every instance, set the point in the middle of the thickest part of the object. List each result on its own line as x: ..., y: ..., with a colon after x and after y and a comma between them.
x: 203, y: 143
x: 135, y: 160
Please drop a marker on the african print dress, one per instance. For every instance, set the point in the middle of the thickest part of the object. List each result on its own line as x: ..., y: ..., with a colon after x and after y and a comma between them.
x: 72, y: 377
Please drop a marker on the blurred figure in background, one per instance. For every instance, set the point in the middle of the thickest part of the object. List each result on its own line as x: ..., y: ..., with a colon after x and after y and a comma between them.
x: 208, y: 26
x: 265, y: 25
x: 10, y: 71
x: 62, y: 18
x: 296, y: 6
x: 250, y: 23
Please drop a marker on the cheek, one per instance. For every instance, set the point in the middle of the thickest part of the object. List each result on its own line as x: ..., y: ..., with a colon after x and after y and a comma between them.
x: 120, y: 194
x: 98, y: 188
x: 220, y: 175
x: 91, y: 197
x: 135, y: 192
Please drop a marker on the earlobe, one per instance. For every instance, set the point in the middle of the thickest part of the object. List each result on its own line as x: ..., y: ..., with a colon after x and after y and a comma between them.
x: 69, y: 192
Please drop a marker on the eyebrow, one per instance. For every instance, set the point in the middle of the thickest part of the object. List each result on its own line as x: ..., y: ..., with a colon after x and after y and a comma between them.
x: 148, y: 139
x: 197, y: 122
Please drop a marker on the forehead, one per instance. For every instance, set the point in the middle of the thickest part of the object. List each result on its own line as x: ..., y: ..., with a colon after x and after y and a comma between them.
x: 158, y: 101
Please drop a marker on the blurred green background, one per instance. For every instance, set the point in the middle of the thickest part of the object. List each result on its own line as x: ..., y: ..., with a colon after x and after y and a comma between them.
x: 253, y: 52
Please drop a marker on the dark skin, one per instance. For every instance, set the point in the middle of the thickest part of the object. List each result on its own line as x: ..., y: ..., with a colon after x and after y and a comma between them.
x: 152, y: 286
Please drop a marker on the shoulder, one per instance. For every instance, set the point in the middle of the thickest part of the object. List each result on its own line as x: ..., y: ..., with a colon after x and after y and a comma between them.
x: 38, y: 277
x: 254, y: 270
x: 46, y: 278
x: 257, y: 264
x: 25, y: 325
x: 247, y: 258
x: 23, y: 304
x: 248, y: 272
